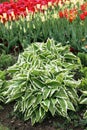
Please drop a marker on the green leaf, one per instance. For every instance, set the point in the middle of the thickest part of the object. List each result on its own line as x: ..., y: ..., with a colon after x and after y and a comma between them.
x: 53, y: 83
x: 41, y: 113
x: 37, y: 115
x: 44, y: 107
x: 45, y: 104
x: 61, y: 93
x: 52, y: 107
x: 70, y: 56
x: 46, y: 93
x: 38, y: 100
x: 49, y: 44
x: 72, y: 93
x: 53, y: 91
x: 38, y: 83
x: 63, y: 104
x: 31, y: 101
x: 37, y: 72
x: 72, y: 83
x: 84, y: 93
x: 85, y: 115
x: 70, y: 106
x: 84, y: 101
x: 35, y: 46
x: 33, y: 119
x: 60, y: 77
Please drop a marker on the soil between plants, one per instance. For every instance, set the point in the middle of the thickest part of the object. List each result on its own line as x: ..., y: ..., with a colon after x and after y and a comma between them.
x: 51, y: 123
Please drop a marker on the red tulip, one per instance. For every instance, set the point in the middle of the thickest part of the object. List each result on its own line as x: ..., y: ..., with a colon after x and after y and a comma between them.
x: 82, y: 16
x: 85, y: 13
x: 83, y: 7
x: 61, y: 15
x: 19, y: 7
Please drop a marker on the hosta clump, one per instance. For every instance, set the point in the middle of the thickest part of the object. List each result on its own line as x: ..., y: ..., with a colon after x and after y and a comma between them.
x: 42, y: 81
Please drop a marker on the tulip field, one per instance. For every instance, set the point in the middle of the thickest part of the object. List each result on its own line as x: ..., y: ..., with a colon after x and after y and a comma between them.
x: 43, y: 65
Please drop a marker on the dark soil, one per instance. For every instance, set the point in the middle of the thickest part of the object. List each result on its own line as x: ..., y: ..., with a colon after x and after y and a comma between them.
x: 57, y: 123
x: 13, y: 123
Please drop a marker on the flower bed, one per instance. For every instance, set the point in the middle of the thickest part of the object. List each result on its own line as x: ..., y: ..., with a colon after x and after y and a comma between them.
x: 66, y: 25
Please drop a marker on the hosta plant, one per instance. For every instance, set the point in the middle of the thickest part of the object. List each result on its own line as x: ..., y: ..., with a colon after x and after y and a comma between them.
x: 42, y: 81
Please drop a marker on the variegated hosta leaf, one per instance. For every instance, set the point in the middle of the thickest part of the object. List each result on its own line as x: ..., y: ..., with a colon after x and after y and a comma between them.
x: 84, y: 101
x: 83, y: 90
x: 83, y: 97
x: 2, y: 90
x: 42, y: 81
x: 85, y: 115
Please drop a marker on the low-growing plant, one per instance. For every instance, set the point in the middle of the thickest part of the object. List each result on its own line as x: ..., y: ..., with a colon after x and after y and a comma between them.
x: 6, y: 60
x: 42, y: 81
x: 83, y: 58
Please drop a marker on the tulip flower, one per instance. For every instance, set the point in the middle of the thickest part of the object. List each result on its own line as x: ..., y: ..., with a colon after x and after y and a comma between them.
x: 82, y: 16
x: 18, y: 7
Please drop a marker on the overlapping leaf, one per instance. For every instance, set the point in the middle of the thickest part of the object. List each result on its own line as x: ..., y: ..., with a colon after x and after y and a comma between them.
x: 2, y: 86
x: 83, y: 90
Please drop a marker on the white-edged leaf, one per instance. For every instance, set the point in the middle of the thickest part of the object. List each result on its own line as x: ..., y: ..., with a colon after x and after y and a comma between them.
x: 83, y: 101
x: 85, y: 115
x: 70, y: 106
x: 52, y: 107
x: 46, y: 93
x: 63, y: 104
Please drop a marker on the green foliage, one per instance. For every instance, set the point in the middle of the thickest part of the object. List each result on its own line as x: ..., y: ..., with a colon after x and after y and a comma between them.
x: 83, y: 57
x: 1, y: 90
x: 6, y: 60
x: 76, y: 122
x: 85, y: 115
x: 83, y: 90
x: 42, y: 81
x: 3, y: 1
x: 2, y: 87
x: 83, y: 100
